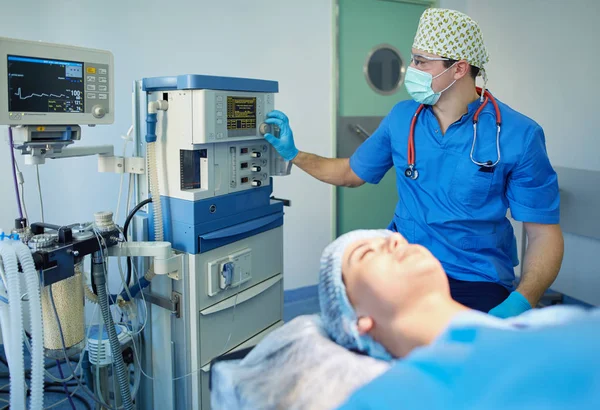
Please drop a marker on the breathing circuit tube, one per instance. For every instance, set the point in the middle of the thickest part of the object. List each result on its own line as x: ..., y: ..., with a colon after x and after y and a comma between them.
x: 115, y: 345
x: 17, y: 369
x: 32, y: 281
x: 155, y: 193
x: 151, y: 121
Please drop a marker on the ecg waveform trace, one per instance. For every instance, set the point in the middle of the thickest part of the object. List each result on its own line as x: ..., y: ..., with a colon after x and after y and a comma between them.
x: 18, y: 94
x: 37, y: 87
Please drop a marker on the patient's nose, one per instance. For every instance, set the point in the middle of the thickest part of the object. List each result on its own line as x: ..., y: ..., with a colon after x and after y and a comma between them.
x: 395, y: 241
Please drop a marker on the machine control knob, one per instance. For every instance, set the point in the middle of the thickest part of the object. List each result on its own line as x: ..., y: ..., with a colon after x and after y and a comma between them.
x: 98, y: 111
x: 264, y: 128
x: 256, y: 182
x: 41, y: 241
x: 256, y: 168
x: 255, y: 154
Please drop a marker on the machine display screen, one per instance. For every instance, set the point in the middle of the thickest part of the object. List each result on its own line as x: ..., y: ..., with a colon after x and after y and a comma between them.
x: 44, y: 85
x: 241, y: 113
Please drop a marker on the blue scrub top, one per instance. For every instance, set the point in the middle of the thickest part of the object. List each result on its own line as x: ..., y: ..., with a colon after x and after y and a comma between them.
x: 454, y: 208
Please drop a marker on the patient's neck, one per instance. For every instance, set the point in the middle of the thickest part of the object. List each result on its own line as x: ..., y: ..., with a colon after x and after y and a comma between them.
x: 421, y: 324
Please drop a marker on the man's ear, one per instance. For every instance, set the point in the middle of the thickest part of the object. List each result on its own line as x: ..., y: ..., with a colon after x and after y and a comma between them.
x: 462, y: 69
x: 364, y: 324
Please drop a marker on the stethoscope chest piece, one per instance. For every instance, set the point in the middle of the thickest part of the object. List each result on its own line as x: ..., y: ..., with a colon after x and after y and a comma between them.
x: 411, y: 172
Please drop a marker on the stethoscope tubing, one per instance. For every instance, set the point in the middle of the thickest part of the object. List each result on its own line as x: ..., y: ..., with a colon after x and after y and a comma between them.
x: 413, y: 173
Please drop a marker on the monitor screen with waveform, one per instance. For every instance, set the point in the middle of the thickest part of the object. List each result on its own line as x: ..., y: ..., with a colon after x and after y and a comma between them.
x: 43, y: 85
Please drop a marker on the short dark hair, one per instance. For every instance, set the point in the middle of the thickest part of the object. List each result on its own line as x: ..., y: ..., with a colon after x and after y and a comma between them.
x: 474, y: 70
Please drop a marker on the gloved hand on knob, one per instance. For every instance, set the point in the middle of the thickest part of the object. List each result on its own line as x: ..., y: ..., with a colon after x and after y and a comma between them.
x: 285, y: 143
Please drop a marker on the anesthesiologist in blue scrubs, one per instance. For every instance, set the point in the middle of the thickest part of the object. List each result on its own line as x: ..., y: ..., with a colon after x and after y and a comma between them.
x: 455, y: 187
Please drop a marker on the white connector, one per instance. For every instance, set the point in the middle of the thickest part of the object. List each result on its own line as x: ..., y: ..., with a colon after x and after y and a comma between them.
x: 155, y: 106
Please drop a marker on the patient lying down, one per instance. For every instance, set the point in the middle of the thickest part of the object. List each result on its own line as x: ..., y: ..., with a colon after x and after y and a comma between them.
x: 384, y: 297
x: 380, y: 297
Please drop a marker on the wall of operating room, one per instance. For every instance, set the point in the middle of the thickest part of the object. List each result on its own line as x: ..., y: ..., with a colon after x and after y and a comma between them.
x: 542, y: 62
x: 156, y: 38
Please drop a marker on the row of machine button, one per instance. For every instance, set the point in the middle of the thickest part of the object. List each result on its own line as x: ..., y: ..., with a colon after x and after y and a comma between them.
x: 93, y: 70
x: 92, y: 79
x: 92, y: 87
x: 101, y: 96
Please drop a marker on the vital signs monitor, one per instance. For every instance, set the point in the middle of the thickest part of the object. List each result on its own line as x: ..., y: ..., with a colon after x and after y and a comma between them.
x: 51, y: 84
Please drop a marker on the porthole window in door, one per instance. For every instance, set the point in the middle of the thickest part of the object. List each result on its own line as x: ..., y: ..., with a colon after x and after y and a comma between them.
x: 384, y: 69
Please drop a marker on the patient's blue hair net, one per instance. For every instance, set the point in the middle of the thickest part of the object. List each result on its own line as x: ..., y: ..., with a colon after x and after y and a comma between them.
x: 338, y: 315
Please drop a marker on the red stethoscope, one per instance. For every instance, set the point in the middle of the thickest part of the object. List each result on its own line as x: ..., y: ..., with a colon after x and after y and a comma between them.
x: 412, y: 172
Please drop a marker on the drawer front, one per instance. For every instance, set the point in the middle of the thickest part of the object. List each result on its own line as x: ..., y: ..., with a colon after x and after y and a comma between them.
x: 222, y: 237
x: 256, y: 309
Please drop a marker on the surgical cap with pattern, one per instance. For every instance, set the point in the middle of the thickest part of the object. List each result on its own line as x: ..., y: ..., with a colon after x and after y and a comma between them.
x: 451, y: 34
x: 338, y: 316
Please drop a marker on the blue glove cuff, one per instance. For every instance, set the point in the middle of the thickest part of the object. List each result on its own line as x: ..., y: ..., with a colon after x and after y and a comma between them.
x: 521, y: 300
x: 293, y: 154
x: 513, y: 305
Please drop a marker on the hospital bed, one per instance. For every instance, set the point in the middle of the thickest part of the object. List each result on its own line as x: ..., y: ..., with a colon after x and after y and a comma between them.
x: 295, y: 367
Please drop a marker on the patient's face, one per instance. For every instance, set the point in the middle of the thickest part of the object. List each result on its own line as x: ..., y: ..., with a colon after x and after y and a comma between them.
x: 384, y: 275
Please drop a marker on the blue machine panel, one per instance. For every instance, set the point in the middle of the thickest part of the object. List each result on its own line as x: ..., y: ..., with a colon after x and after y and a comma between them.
x: 200, y: 226
x: 208, y: 82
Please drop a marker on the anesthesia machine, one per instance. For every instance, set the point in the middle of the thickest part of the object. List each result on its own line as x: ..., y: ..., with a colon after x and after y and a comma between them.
x: 203, y: 246
x: 218, y: 212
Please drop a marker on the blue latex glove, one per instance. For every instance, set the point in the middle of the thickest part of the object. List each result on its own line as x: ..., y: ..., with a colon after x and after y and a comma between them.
x: 513, y: 305
x: 285, y: 143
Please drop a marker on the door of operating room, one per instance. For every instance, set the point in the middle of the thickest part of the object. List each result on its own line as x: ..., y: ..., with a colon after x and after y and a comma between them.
x: 373, y: 50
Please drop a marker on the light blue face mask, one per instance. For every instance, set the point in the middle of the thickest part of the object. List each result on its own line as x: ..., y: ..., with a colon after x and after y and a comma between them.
x: 418, y: 84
